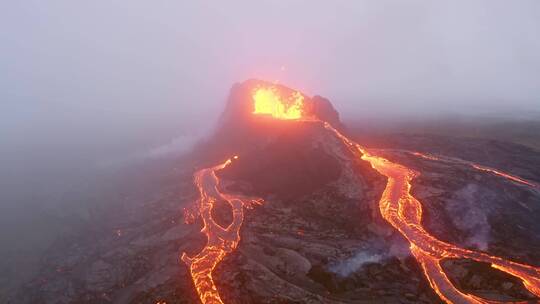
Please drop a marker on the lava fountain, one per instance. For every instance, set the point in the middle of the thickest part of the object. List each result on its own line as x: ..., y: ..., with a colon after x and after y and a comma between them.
x: 267, y: 101
x: 397, y: 206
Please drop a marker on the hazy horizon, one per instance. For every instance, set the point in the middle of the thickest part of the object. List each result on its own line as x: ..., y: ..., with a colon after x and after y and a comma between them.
x: 91, y: 88
x: 85, y: 84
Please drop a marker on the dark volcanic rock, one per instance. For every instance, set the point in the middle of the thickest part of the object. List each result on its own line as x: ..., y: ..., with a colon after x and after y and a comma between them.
x: 510, y: 157
x: 482, y: 280
x: 320, y: 211
x: 294, y: 165
x: 476, y: 209
x: 317, y: 238
x: 239, y: 130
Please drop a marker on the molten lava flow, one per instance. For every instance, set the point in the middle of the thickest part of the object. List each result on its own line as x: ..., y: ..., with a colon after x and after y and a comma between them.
x: 397, y: 205
x: 404, y: 212
x: 505, y: 175
x: 426, y: 156
x: 221, y: 241
x: 268, y: 101
x: 478, y: 167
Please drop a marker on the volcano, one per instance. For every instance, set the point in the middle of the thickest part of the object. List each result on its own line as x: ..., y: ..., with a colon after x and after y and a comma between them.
x: 283, y: 206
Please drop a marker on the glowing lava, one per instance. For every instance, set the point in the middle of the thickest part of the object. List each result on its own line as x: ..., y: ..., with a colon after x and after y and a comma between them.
x: 477, y: 167
x: 397, y: 206
x: 221, y: 240
x: 404, y: 212
x: 268, y: 101
x: 505, y: 175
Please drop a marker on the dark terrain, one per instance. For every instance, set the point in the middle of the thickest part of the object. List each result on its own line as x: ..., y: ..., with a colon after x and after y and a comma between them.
x: 318, y: 237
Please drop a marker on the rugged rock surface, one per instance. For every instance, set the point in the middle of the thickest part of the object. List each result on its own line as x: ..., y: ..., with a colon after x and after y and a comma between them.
x: 239, y: 130
x: 510, y: 157
x: 318, y: 238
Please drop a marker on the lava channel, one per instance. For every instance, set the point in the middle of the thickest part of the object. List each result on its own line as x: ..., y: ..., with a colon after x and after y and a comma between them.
x: 220, y: 240
x: 404, y: 212
x: 397, y: 206
x: 505, y: 175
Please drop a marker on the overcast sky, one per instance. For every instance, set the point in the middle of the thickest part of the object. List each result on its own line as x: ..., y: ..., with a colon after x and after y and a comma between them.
x: 109, y: 75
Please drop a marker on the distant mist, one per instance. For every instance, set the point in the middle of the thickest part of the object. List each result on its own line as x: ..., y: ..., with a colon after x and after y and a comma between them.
x: 87, y: 86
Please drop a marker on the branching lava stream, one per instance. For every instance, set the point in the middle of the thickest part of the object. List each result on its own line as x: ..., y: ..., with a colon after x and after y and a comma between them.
x: 397, y: 206
x: 221, y: 240
x: 404, y: 212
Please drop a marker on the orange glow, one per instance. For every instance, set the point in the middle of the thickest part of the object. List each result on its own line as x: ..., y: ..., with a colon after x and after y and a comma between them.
x: 505, y: 175
x: 397, y: 206
x: 268, y: 101
x: 404, y: 212
x: 478, y: 167
x: 426, y: 156
x: 220, y: 240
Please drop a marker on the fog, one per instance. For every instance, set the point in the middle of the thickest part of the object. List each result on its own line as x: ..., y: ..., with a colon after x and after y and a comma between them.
x: 122, y: 74
x: 88, y: 85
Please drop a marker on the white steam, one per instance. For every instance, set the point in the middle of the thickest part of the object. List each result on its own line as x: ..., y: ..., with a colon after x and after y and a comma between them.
x: 346, y: 267
x: 470, y: 216
x: 175, y: 147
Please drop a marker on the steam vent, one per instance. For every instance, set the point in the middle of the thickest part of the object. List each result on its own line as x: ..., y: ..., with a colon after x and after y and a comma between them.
x: 282, y: 205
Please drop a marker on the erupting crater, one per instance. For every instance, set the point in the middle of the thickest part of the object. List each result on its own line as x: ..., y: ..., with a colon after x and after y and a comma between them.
x: 267, y: 101
x: 397, y: 206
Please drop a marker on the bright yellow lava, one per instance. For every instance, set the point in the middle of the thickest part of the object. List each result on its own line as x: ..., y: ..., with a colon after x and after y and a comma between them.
x: 268, y: 101
x: 397, y: 205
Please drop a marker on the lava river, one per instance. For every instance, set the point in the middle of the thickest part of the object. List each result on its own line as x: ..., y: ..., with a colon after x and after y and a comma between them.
x: 220, y: 240
x: 397, y: 206
x: 404, y: 212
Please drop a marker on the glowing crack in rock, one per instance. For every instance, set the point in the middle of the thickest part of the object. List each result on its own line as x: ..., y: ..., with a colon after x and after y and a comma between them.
x: 397, y: 206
